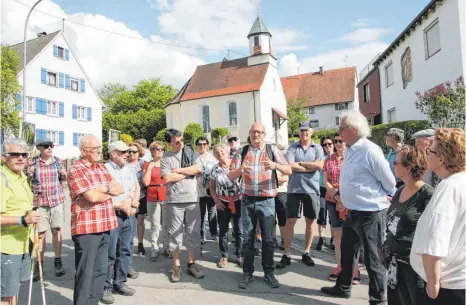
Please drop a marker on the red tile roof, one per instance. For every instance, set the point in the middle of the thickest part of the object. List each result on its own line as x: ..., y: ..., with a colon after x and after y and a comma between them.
x: 226, y: 77
x: 334, y: 86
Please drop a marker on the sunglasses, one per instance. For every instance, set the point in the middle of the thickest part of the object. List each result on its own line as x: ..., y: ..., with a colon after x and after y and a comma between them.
x: 179, y: 142
x: 16, y: 155
x: 337, y: 141
x: 327, y: 144
x: 201, y: 144
x: 123, y: 152
x: 48, y: 146
x: 430, y: 151
x: 132, y: 152
x: 233, y: 139
x: 157, y: 149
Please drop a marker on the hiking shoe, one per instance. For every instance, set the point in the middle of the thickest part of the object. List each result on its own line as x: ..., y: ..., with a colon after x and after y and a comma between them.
x: 141, y: 249
x: 332, y: 244
x: 175, y: 276
x: 271, y: 280
x: 336, y: 291
x: 307, y: 260
x: 167, y: 254
x: 240, y: 261
x: 154, y: 255
x: 285, y: 261
x: 282, y: 245
x: 356, y: 277
x: 59, y: 270
x: 320, y: 243
x: 107, y: 297
x: 334, y: 276
x: 36, y: 275
x: 247, y: 278
x: 195, y: 272
x: 223, y: 262
x: 125, y: 290
x: 132, y: 274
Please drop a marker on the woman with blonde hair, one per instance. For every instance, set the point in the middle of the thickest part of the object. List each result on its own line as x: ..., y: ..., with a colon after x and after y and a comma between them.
x: 439, y: 250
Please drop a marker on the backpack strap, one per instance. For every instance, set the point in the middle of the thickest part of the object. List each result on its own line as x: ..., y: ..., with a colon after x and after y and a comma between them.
x: 244, y: 152
x: 7, y: 184
x: 271, y: 155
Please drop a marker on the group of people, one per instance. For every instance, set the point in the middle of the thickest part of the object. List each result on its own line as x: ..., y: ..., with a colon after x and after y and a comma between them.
x: 404, y: 214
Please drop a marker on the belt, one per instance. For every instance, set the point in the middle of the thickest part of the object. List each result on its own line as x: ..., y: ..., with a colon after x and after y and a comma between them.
x: 257, y: 197
x: 157, y: 185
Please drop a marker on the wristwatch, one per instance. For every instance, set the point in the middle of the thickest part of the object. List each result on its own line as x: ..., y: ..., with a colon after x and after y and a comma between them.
x: 23, y: 220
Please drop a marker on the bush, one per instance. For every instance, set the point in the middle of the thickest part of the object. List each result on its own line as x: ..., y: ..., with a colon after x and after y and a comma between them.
x: 126, y: 138
x: 192, y: 132
x: 160, y: 135
x: 317, y: 135
x: 410, y: 127
x: 218, y: 134
x: 292, y: 140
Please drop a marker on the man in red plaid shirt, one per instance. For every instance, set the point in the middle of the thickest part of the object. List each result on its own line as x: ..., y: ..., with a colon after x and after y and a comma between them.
x: 46, y: 173
x: 92, y: 218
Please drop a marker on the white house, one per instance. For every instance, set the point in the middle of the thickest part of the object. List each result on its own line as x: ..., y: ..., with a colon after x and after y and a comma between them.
x: 431, y: 50
x: 327, y: 93
x: 233, y: 94
x: 60, y: 100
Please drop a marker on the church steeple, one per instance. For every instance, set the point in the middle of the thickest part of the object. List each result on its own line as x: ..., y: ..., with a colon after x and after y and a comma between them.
x: 259, y: 38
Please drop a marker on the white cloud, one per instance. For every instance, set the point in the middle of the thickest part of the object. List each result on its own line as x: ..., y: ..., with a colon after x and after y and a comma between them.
x: 360, y: 22
x: 364, y: 35
x: 158, y: 4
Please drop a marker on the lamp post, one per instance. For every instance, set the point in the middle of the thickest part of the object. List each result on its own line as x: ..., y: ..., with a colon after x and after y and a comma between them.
x: 23, y: 119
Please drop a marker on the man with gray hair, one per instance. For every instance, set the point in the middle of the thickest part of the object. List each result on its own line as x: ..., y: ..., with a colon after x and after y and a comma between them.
x: 146, y: 156
x: 366, y: 182
x: 423, y: 140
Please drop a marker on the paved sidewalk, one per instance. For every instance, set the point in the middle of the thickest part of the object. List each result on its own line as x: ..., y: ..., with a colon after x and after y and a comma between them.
x: 299, y: 284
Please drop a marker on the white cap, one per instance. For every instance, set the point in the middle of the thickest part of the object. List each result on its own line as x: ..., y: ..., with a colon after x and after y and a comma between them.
x: 117, y: 145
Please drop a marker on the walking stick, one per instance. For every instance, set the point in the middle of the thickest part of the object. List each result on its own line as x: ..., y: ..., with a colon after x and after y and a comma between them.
x: 32, y: 270
x: 42, y: 287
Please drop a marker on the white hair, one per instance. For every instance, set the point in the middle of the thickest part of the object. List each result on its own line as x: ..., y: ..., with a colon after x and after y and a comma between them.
x: 83, y: 140
x: 13, y: 141
x: 357, y: 120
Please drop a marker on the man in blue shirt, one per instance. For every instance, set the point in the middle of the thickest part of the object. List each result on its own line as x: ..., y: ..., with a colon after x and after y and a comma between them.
x: 366, y: 182
x: 306, y: 159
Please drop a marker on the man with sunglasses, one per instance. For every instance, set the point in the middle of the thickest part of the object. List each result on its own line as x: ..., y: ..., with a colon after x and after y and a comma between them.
x: 16, y: 216
x: 233, y: 143
x: 46, y: 173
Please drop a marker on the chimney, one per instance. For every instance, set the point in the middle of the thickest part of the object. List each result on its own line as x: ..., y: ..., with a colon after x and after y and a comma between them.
x: 321, y: 70
x: 41, y: 34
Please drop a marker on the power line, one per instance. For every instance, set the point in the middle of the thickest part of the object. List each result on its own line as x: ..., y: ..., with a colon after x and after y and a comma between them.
x: 128, y: 36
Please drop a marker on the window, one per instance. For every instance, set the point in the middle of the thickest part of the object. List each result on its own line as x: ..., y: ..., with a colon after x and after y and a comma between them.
x: 341, y: 106
x: 367, y: 93
x: 314, y: 123
x: 232, y: 114
x: 52, y: 108
x: 74, y: 85
x: 52, y: 78
x: 53, y: 136
x: 30, y: 104
x: 256, y: 41
x: 205, y: 118
x: 391, y: 115
x: 432, y: 39
x: 61, y: 52
x: 337, y: 120
x: 389, y: 75
x: 81, y: 113
x: 312, y: 110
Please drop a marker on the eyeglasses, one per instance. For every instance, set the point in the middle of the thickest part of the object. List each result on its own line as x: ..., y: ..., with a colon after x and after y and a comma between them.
x: 94, y: 149
x: 327, y: 144
x: 397, y: 163
x: 430, y: 151
x: 202, y: 144
x: 337, y: 141
x: 257, y: 132
x: 48, y: 146
x: 179, y: 142
x: 132, y: 152
x: 16, y: 155
x: 123, y: 152
x: 343, y: 128
x: 157, y: 149
x: 233, y: 139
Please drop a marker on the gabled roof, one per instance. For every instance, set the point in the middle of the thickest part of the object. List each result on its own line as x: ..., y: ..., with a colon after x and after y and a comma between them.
x: 330, y: 87
x: 34, y: 47
x: 259, y: 28
x: 224, y: 78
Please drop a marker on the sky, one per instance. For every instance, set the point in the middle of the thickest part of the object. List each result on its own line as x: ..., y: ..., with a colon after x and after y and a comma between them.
x: 306, y: 34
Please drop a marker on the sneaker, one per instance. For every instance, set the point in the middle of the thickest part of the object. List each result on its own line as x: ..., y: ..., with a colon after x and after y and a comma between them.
x: 247, y: 278
x: 125, y: 290
x: 240, y: 261
x: 307, y: 259
x: 195, y: 272
x: 36, y: 275
x: 271, y: 280
x: 167, y: 254
x: 334, y: 276
x: 285, y: 261
x: 59, y: 270
x: 107, y: 297
x: 282, y: 245
x: 320, y: 243
x: 223, y: 262
x: 356, y: 277
x: 154, y: 255
x: 336, y: 291
x: 175, y: 276
x: 332, y: 244
x: 132, y: 274
x: 141, y: 249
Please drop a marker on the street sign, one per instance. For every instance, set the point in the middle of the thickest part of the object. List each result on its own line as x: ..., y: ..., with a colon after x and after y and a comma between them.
x: 113, y: 135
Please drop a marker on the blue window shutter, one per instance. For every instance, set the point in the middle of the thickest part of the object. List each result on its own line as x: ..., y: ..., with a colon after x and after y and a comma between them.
x: 75, y: 112
x: 55, y: 50
x: 61, y: 109
x: 18, y: 96
x: 38, y: 134
x: 44, y: 106
x: 83, y: 86
x: 67, y: 54
x: 43, y: 75
x: 89, y: 114
x: 67, y: 81
x: 20, y: 105
x: 61, y: 138
x: 61, y: 80
x: 75, y: 139
x: 38, y: 105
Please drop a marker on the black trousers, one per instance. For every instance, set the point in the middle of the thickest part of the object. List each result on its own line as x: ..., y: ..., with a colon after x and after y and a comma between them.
x: 367, y: 230
x: 410, y: 289
x: 208, y: 207
x: 447, y: 297
x: 91, y: 262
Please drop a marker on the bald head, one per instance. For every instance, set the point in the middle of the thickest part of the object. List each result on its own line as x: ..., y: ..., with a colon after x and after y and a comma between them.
x: 91, y: 148
x: 257, y: 134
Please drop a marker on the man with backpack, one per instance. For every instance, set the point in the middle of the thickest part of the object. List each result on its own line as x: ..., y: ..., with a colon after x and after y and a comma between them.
x: 256, y: 164
x: 46, y: 174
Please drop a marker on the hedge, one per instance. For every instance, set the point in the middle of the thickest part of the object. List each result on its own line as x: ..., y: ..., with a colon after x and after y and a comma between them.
x: 410, y: 127
x: 192, y: 132
x: 161, y: 138
x: 217, y: 134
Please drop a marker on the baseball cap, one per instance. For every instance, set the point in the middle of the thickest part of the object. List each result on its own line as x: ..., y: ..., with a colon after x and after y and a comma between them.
x: 44, y: 142
x: 423, y: 133
x: 117, y: 145
x: 232, y: 135
x: 304, y: 125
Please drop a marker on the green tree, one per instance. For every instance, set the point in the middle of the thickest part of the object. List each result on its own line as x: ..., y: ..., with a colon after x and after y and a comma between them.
x: 127, y: 138
x: 218, y: 134
x: 192, y: 132
x: 9, y: 88
x: 109, y: 93
x: 296, y: 115
x: 161, y: 135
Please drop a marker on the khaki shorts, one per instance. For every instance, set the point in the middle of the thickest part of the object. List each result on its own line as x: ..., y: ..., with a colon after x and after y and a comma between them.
x: 184, y: 225
x: 53, y: 217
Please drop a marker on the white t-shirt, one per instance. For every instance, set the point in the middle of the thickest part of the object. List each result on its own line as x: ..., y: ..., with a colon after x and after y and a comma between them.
x: 440, y: 232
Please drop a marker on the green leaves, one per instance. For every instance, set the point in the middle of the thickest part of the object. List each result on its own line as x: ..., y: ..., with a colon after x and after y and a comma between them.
x: 296, y: 114
x: 217, y: 134
x: 191, y: 132
x: 9, y: 88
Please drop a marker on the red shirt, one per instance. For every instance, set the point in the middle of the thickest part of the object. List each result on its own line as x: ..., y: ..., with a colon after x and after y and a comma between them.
x: 157, y: 189
x: 332, y: 167
x: 46, y: 185
x: 86, y: 217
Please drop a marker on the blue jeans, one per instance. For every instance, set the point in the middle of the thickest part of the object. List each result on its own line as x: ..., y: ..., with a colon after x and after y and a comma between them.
x: 260, y: 209
x: 223, y: 222
x: 134, y: 227
x: 119, y: 252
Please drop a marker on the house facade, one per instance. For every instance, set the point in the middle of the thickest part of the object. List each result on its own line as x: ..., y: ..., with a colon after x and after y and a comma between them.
x: 369, y: 93
x: 328, y: 93
x: 234, y: 94
x: 430, y: 51
x: 60, y: 100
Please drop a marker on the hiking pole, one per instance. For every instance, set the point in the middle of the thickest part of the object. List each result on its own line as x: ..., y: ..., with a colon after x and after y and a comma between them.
x: 34, y: 245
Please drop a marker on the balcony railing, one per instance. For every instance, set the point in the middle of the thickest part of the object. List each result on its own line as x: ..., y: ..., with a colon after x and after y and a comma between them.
x: 368, y: 68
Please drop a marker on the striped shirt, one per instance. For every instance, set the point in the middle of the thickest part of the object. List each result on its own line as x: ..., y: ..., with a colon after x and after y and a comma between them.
x: 46, y: 186
x: 332, y: 168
